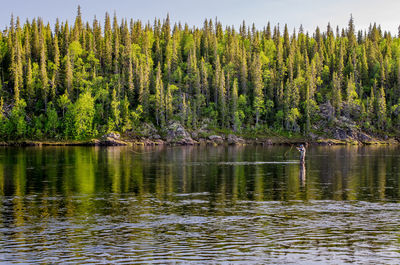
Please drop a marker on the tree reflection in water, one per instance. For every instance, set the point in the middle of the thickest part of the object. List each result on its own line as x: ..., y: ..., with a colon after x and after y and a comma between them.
x: 163, y: 200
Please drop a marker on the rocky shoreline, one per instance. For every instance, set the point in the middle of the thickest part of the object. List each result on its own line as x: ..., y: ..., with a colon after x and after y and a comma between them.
x: 176, y: 134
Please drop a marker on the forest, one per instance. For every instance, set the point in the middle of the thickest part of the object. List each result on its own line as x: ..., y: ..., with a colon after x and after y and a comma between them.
x: 85, y: 79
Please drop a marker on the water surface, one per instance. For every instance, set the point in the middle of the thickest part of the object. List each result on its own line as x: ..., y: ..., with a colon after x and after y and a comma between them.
x: 223, y: 205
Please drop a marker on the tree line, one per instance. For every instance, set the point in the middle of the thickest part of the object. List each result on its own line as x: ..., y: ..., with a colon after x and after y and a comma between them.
x: 83, y: 80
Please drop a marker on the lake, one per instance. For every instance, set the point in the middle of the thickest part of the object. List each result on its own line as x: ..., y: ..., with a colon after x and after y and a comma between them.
x: 200, y: 205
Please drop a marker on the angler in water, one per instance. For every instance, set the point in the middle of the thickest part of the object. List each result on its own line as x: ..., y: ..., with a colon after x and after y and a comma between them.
x: 302, y: 151
x: 302, y: 172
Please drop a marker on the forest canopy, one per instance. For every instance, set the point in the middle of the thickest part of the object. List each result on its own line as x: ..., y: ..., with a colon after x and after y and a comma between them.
x: 80, y: 80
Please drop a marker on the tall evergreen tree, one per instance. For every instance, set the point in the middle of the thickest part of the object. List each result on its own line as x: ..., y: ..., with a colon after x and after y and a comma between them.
x: 159, y: 98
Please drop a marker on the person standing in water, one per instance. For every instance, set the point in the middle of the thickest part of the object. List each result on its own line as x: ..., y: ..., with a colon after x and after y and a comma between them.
x: 302, y: 173
x: 302, y: 151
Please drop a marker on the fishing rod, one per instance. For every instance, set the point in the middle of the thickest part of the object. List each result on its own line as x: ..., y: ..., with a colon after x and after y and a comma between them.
x: 284, y: 155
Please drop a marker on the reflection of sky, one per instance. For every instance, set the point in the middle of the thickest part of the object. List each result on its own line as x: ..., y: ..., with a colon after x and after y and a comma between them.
x: 310, y: 13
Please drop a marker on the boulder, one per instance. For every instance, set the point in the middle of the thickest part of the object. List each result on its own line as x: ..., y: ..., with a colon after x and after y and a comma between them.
x: 156, y: 137
x: 216, y: 139
x: 147, y: 130
x: 113, y: 135
x: 177, y: 134
x: 110, y: 142
x: 313, y: 137
x: 362, y: 137
x: 234, y: 140
x: 186, y: 141
x: 199, y: 134
x: 351, y: 134
x: 110, y: 139
x: 341, y: 134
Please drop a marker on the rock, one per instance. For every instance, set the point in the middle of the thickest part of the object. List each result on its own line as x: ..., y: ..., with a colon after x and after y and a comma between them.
x: 340, y: 134
x: 158, y: 142
x: 147, y: 130
x: 313, y: 137
x: 200, y: 134
x: 327, y: 111
x: 352, y: 134
x: 110, y: 142
x: 362, y: 137
x: 234, y: 140
x: 186, y: 141
x: 110, y: 139
x: 95, y: 142
x: 195, y: 134
x: 112, y: 135
x: 205, y: 124
x: 216, y: 139
x: 156, y: 137
x: 177, y: 134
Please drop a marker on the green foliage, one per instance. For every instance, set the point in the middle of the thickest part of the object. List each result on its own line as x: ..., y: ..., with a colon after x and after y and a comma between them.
x: 80, y: 117
x: 16, y: 126
x: 3, y: 120
x: 115, y: 119
x: 136, y: 116
x: 88, y: 80
x: 75, y: 49
x: 291, y: 120
x: 51, y: 124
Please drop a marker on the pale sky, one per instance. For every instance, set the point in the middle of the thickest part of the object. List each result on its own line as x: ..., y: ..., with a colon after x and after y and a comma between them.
x: 310, y: 13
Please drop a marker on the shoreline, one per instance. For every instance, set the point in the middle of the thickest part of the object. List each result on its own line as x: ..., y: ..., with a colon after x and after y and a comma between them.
x: 220, y: 141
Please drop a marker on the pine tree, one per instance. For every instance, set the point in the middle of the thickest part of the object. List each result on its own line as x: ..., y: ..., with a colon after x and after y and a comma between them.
x: 222, y: 99
x: 116, y: 45
x: 371, y: 104
x: 243, y: 72
x: 381, y: 108
x: 131, y: 85
x: 351, y: 91
x: 115, y: 118
x: 336, y: 94
x: 258, y: 103
x: 168, y: 103
x: 125, y: 117
x: 68, y: 74
x: 307, y: 109
x: 30, y: 92
x: 56, y: 62
x: 43, y: 71
x: 107, y: 56
x: 204, y: 80
x: 17, y: 73
x: 217, y: 80
x: 234, y: 105
x: 159, y: 98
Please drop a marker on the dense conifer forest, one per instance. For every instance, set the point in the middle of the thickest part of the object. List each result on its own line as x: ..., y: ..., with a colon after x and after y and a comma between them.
x: 80, y: 80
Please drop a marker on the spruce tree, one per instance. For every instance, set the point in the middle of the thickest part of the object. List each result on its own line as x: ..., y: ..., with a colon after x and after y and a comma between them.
x: 258, y: 103
x: 159, y: 98
x: 336, y: 94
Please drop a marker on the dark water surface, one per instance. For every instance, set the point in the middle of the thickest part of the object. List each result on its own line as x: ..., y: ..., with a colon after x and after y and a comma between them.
x: 241, y: 205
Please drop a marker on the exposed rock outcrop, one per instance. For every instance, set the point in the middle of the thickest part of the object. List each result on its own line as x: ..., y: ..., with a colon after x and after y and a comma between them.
x: 215, y: 139
x: 176, y: 134
x: 110, y: 139
x: 148, y: 130
x: 113, y: 135
x: 234, y: 140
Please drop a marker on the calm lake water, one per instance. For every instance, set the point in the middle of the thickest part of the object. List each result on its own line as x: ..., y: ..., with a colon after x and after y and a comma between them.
x: 167, y: 205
